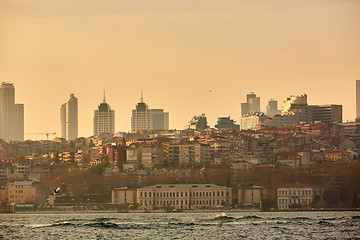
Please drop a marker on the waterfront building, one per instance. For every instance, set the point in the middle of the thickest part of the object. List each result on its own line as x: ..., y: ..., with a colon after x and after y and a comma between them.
x: 124, y: 196
x: 21, y: 192
x: 69, y: 119
x: 183, y: 196
x: 252, y: 104
x: 250, y: 195
x: 104, y: 119
x: 11, y: 115
x: 297, y: 194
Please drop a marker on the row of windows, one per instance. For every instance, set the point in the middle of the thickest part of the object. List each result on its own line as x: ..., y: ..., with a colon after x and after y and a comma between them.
x: 295, y: 192
x: 180, y: 202
x: 182, y: 194
x: 308, y: 201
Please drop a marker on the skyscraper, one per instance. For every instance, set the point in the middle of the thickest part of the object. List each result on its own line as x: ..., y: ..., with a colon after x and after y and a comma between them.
x: 252, y: 104
x: 104, y: 119
x: 358, y: 100
x: 272, y: 108
x: 69, y: 119
x: 144, y: 118
x: 11, y: 115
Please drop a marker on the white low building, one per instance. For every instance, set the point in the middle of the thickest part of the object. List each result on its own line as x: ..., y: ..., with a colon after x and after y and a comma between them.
x: 183, y: 196
x: 297, y: 194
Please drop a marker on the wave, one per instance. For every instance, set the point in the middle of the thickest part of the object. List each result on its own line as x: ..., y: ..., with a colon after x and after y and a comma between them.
x: 103, y: 219
x: 325, y: 223
x: 103, y: 225
x: 328, y: 219
x: 250, y: 217
x: 61, y: 224
x: 223, y: 217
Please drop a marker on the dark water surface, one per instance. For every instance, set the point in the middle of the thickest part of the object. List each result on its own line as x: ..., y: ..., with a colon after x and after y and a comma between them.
x: 213, y: 225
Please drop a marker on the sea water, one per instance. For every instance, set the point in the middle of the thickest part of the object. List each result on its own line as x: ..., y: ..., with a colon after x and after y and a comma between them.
x: 187, y: 225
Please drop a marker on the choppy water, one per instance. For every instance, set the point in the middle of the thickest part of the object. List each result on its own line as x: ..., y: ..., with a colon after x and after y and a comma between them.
x: 228, y: 225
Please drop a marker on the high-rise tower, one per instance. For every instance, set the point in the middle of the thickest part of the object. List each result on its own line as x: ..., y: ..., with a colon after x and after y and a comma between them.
x: 69, y: 119
x: 252, y: 104
x: 272, y: 108
x: 144, y: 118
x: 11, y: 115
x: 104, y: 119
x: 358, y: 100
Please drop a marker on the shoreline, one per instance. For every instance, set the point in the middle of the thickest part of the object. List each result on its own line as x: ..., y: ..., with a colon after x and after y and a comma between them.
x: 186, y: 211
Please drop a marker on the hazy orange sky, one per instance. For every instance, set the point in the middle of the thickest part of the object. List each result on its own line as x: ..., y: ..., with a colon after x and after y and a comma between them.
x: 176, y: 51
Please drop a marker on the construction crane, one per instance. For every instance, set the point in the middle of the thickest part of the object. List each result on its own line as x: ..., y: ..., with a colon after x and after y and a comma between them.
x: 47, y: 134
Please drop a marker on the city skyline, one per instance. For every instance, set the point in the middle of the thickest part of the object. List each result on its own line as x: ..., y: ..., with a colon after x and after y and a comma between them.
x: 64, y: 123
x: 189, y: 57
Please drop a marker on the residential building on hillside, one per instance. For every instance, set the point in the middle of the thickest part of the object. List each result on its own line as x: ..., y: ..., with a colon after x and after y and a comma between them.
x: 191, y: 153
x: 183, y: 196
x: 152, y: 155
x: 226, y: 123
x: 198, y: 122
x: 21, y: 192
x: 252, y: 120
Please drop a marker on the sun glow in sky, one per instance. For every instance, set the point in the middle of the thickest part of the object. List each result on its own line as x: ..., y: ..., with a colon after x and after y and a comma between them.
x: 176, y: 51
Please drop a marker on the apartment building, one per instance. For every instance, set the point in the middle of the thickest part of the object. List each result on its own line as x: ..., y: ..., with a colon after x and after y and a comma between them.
x: 21, y: 192
x: 191, y: 153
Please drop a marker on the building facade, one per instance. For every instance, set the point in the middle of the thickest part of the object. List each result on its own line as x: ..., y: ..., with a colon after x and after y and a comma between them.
x: 272, y: 108
x: 11, y: 115
x: 144, y: 118
x: 69, y: 119
x: 104, y: 119
x: 185, y: 154
x: 357, y: 99
x: 183, y: 196
x: 21, y: 192
x: 250, y: 195
x: 124, y: 196
x: 226, y: 123
x: 297, y: 194
x: 326, y: 113
x: 253, y: 120
x: 198, y: 122
x: 252, y: 104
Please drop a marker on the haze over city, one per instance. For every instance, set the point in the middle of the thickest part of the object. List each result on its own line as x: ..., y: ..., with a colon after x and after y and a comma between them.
x: 176, y: 52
